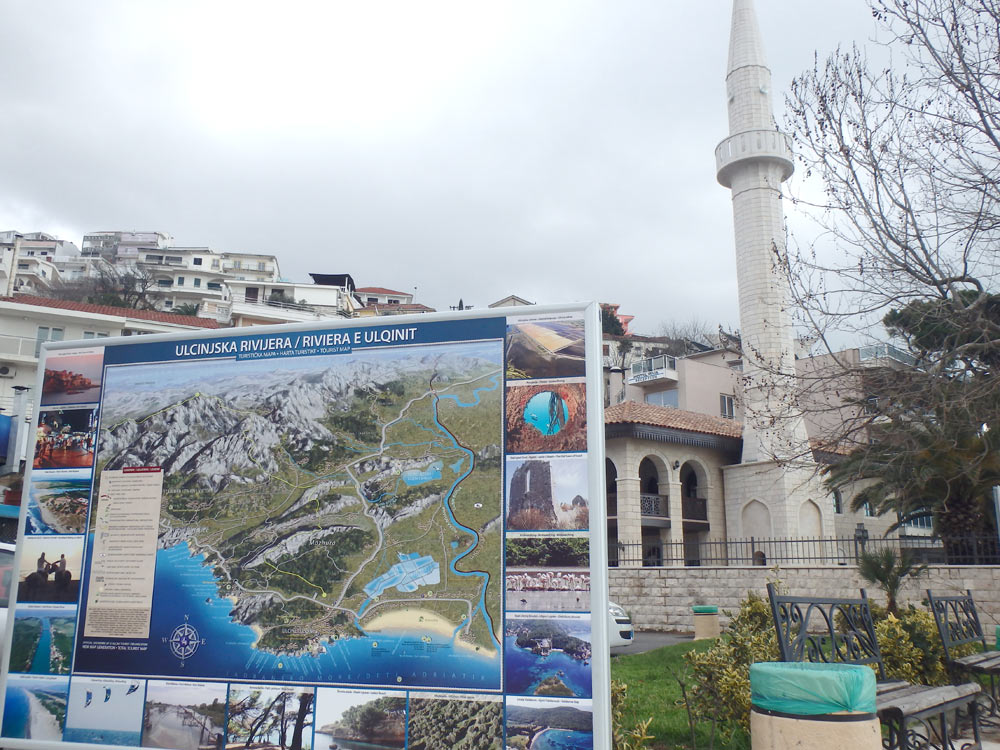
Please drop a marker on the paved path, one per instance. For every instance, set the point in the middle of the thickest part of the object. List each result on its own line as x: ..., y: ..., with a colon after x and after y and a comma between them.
x: 644, y: 642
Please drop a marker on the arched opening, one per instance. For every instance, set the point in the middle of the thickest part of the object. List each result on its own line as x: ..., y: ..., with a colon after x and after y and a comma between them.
x: 649, y: 478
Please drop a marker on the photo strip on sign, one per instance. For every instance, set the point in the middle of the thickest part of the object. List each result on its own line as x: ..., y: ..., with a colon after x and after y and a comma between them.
x: 362, y: 533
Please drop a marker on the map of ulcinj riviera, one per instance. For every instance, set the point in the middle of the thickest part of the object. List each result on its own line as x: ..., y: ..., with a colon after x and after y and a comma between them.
x: 332, y: 518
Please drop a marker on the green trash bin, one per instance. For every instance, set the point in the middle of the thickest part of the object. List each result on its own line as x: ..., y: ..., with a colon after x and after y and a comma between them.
x: 799, y: 706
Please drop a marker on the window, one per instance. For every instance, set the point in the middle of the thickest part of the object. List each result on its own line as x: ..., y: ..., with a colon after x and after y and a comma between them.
x: 180, y: 281
x: 260, y: 266
x: 838, y: 502
x: 662, y: 398
x: 168, y: 303
x: 45, y: 333
x: 394, y: 302
x: 197, y: 261
x: 214, y: 285
x: 95, y: 335
x: 871, y: 405
x: 727, y: 406
x: 869, y: 511
x: 164, y: 282
x: 174, y: 260
x: 197, y: 282
x: 21, y: 265
x: 920, y: 522
x: 154, y: 258
x: 606, y: 350
x: 215, y: 262
x: 371, y: 300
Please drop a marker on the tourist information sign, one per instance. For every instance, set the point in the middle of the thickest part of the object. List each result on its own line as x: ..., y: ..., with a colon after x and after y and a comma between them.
x: 379, y: 533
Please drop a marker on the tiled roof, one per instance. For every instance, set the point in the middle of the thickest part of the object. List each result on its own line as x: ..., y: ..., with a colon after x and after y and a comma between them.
x: 154, y: 316
x: 379, y: 290
x: 632, y: 412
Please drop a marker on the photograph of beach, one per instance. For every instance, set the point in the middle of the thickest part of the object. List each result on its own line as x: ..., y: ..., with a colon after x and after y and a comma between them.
x: 72, y: 376
x: 43, y: 639
x: 50, y: 569
x: 64, y: 439
x: 548, y: 654
x: 270, y: 717
x: 455, y: 721
x: 538, y: 589
x: 105, y: 711
x: 549, y: 724
x: 35, y: 707
x: 547, y: 492
x: 349, y: 719
x: 58, y: 501
x: 184, y: 715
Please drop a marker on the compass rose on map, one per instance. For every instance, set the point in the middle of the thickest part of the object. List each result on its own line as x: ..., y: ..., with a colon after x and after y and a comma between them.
x: 184, y: 641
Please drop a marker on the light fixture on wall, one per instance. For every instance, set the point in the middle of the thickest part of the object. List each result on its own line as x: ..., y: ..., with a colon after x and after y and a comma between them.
x: 677, y: 465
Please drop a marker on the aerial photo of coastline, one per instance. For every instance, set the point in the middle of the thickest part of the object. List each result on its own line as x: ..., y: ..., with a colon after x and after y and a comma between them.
x: 35, y: 707
x: 548, y: 654
x: 270, y: 717
x: 455, y: 721
x: 547, y: 492
x: 549, y: 724
x: 545, y: 349
x: 57, y: 501
x: 72, y: 376
x: 105, y: 711
x: 184, y: 715
x: 43, y: 639
x: 350, y: 719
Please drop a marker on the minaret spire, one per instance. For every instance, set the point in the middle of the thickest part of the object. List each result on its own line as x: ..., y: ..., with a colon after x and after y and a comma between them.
x: 753, y: 162
x: 774, y: 491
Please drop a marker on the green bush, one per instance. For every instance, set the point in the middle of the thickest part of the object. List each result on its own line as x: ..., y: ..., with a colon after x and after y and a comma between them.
x: 624, y: 737
x: 722, y: 674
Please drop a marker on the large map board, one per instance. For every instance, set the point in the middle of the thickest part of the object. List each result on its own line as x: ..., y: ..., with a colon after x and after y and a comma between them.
x: 363, y: 534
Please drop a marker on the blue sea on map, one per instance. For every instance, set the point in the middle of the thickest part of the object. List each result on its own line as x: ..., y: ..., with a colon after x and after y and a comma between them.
x: 561, y: 739
x: 526, y: 671
x: 324, y: 741
x: 186, y: 588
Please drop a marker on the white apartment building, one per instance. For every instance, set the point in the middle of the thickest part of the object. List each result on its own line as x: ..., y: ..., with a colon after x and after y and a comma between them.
x: 27, y: 322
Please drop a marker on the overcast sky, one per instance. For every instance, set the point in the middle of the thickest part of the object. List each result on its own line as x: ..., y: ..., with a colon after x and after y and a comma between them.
x: 557, y: 150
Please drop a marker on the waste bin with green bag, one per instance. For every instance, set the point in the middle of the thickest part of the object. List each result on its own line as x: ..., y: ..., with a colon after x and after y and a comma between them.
x: 799, y: 705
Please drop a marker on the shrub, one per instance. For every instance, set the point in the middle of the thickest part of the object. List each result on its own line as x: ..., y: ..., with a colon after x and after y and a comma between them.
x: 722, y: 674
x: 623, y: 737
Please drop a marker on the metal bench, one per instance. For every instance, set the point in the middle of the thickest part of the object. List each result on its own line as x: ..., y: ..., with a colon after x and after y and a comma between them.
x: 914, y: 715
x: 958, y: 624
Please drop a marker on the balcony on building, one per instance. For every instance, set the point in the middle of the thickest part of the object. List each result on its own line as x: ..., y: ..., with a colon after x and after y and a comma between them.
x: 654, y: 370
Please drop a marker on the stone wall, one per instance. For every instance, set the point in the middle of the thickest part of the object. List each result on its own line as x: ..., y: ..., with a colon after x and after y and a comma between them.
x: 661, y: 598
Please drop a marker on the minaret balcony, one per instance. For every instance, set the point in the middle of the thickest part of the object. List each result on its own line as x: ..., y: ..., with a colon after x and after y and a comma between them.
x: 753, y: 145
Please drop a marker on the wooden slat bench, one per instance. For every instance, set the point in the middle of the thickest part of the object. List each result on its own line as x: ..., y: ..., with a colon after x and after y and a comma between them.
x: 958, y: 624
x: 914, y: 715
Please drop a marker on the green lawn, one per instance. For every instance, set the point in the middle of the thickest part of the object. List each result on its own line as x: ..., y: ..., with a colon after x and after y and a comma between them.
x: 653, y: 691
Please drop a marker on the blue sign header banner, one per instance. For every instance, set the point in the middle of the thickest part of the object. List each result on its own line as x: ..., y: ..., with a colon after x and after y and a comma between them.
x: 306, y: 343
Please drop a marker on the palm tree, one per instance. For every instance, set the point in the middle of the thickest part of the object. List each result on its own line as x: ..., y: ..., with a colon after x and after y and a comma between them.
x: 889, y: 571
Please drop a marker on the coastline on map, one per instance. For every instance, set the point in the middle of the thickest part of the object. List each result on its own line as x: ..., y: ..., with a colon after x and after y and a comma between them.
x: 408, y: 621
x: 42, y: 725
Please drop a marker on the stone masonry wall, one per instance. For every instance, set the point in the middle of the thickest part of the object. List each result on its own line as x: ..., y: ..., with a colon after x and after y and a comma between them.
x: 661, y: 598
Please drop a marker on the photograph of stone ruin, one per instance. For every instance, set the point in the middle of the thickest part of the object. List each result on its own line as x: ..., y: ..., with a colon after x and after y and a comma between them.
x: 537, y: 501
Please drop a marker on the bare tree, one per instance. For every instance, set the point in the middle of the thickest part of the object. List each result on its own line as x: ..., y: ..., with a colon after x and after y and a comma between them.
x: 908, y: 155
x: 117, y: 286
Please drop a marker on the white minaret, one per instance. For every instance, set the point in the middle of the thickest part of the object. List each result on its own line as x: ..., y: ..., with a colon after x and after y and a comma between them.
x: 768, y: 495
